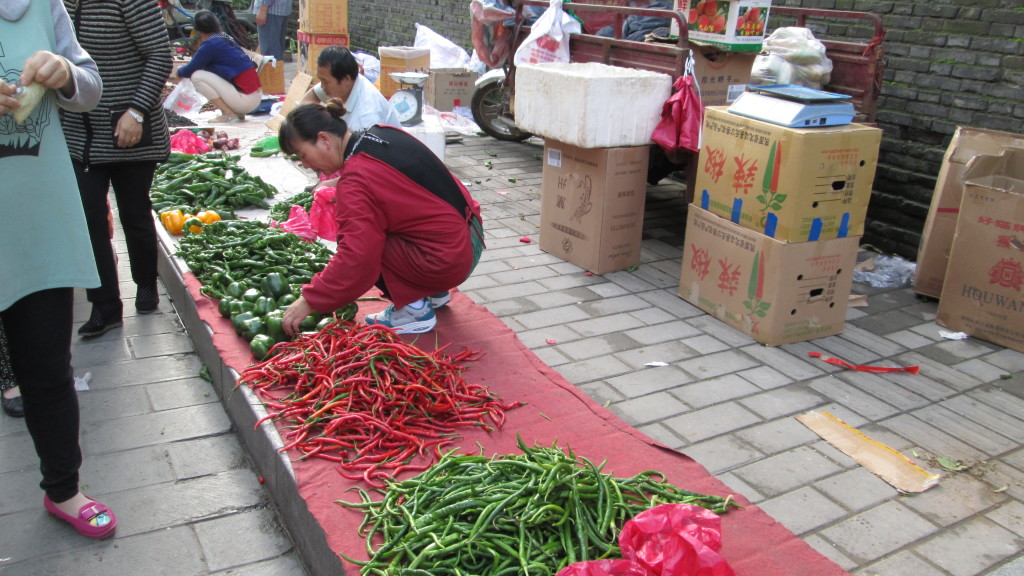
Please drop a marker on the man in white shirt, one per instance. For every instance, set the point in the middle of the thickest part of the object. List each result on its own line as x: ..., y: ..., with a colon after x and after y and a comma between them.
x: 339, y: 76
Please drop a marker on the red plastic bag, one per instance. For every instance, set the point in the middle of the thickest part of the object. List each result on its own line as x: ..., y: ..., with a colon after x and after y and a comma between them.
x: 298, y: 223
x: 321, y: 214
x: 186, y: 141
x: 675, y: 540
x: 667, y: 540
x: 682, y: 118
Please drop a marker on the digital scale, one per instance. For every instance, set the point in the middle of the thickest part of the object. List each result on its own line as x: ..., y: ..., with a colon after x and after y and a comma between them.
x: 408, y: 100
x: 794, y: 106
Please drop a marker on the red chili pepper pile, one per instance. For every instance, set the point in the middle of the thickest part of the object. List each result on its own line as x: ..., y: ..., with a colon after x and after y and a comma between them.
x: 358, y: 395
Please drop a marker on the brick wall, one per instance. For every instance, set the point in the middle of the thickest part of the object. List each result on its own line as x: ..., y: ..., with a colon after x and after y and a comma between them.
x: 948, y: 63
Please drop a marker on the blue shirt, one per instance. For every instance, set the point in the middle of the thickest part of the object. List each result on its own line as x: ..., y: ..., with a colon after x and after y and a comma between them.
x: 220, y: 55
x: 274, y: 7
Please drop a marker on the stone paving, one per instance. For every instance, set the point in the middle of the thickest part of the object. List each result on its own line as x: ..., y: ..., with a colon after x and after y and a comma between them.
x: 164, y: 453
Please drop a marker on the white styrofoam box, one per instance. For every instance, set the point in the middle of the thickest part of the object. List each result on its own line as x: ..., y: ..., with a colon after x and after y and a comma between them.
x: 590, y: 105
x: 430, y: 132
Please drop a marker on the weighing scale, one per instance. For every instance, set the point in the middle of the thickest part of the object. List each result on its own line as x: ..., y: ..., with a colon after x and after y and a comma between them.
x: 408, y: 100
x: 794, y: 106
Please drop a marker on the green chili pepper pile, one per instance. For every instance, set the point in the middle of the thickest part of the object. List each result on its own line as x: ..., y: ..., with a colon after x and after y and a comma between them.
x: 215, y: 181
x: 279, y: 212
x: 256, y: 271
x: 534, y: 514
x: 358, y: 395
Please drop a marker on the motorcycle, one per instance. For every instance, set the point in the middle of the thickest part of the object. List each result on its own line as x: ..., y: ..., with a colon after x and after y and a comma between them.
x: 178, y: 20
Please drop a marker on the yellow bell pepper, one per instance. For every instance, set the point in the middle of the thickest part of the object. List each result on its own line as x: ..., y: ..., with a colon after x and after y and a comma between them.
x: 173, y: 221
x: 192, y: 224
x: 208, y: 216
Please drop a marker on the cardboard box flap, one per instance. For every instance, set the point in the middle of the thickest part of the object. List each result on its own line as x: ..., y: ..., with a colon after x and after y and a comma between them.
x: 1008, y: 163
x: 970, y: 142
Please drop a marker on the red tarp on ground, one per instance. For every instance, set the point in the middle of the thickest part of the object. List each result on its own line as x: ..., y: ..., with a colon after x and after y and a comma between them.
x: 555, y: 412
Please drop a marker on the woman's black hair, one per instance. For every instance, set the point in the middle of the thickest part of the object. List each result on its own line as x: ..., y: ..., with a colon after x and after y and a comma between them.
x: 306, y: 121
x: 205, y: 22
x: 340, y: 61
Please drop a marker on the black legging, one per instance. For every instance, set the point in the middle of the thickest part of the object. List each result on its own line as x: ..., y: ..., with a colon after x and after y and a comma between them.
x: 39, y: 340
x: 131, y: 182
x: 6, y: 373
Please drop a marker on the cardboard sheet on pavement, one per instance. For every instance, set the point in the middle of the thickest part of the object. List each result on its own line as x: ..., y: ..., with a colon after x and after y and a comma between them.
x: 890, y: 465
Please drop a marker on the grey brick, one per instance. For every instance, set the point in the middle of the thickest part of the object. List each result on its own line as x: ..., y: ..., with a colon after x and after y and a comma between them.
x: 160, y: 345
x: 595, y: 369
x: 880, y: 388
x: 830, y: 551
x: 180, y: 393
x: 766, y: 378
x: 523, y: 275
x: 1009, y: 360
x: 852, y: 398
x: 642, y: 382
x: 597, y: 346
x: 971, y: 547
x: 1000, y: 400
x: 778, y: 435
x: 723, y: 453
x: 974, y: 433
x: 219, y: 539
x: 932, y: 439
x: 552, y: 317
x: 604, y: 324
x: 710, y: 422
x: 783, y: 402
x: 663, y: 332
x: 649, y: 408
x: 802, y: 510
x: 717, y: 364
x: 901, y: 564
x: 878, y: 531
x: 1010, y: 516
x: 537, y: 339
x: 794, y: 367
x: 705, y: 344
x: 505, y: 292
x: 206, y: 456
x: 957, y: 498
x: 552, y: 299
x: 667, y: 352
x: 551, y: 357
x: 786, y: 471
x: 857, y: 489
x: 714, y: 391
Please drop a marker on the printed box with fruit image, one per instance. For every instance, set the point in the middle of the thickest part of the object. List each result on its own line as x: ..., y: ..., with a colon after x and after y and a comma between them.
x: 737, y: 25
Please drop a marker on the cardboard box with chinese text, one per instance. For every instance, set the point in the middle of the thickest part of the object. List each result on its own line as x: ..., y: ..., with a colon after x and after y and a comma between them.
x: 777, y: 293
x: 450, y: 87
x: 940, y: 225
x: 272, y: 78
x: 737, y: 25
x: 792, y: 184
x: 983, y: 292
x: 722, y: 75
x: 400, y: 59
x: 592, y: 205
x: 324, y: 16
x: 311, y: 45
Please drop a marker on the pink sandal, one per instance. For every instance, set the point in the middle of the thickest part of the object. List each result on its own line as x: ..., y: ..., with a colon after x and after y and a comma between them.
x: 94, y: 519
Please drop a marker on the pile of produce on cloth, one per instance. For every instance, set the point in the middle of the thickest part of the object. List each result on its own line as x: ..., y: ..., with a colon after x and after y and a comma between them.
x: 358, y: 395
x: 279, y: 212
x: 256, y: 272
x: 533, y: 513
x: 214, y: 181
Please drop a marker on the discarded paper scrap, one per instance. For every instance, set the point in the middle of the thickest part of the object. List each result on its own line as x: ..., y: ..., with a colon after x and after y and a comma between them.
x: 890, y: 465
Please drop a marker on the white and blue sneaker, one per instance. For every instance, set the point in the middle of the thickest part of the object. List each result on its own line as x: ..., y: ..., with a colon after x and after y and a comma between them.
x: 440, y: 300
x: 414, y: 318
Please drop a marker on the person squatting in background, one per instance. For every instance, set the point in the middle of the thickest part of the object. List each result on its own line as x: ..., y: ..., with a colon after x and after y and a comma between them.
x: 119, y: 145
x: 222, y: 71
x: 44, y: 241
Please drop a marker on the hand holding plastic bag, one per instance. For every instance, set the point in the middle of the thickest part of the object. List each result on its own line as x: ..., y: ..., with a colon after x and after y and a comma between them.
x: 549, y: 37
x: 667, y: 540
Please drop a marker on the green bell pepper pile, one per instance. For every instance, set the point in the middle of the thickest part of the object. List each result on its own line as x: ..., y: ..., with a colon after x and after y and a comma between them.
x: 279, y: 212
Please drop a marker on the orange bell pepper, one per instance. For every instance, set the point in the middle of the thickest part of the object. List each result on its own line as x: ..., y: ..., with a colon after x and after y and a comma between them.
x: 173, y: 221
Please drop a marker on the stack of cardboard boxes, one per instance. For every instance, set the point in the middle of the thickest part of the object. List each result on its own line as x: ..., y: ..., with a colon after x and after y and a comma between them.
x: 773, y: 233
x: 971, y: 254
x: 322, y: 23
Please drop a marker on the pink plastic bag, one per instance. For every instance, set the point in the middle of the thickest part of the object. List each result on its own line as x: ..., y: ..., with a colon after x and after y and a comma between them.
x: 185, y: 140
x: 321, y: 214
x: 298, y: 223
x: 667, y: 540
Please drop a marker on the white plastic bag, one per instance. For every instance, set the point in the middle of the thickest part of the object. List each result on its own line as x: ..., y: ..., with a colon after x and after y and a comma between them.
x: 792, y: 55
x: 443, y: 52
x: 184, y: 99
x: 549, y: 37
x: 369, y: 64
